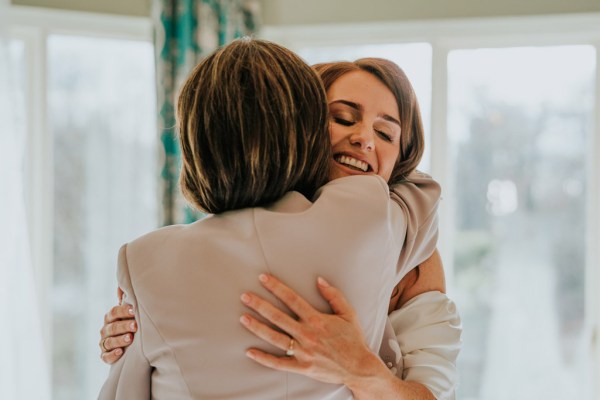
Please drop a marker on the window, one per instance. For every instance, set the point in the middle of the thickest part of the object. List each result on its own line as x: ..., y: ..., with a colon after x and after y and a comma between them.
x: 101, y: 114
x: 18, y: 305
x: 519, y: 123
x: 89, y: 179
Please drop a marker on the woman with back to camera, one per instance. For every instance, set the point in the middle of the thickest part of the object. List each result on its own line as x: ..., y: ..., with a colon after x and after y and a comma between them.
x: 429, y: 345
x: 246, y: 145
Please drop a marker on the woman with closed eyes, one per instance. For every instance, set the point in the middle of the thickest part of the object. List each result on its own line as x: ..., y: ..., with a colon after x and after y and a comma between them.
x: 374, y: 120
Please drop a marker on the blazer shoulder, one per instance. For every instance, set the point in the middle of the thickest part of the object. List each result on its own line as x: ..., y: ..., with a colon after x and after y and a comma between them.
x: 155, y: 237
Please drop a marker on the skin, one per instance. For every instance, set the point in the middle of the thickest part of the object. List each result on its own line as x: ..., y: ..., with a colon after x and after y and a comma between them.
x: 328, y: 347
x: 365, y: 131
x: 365, y: 125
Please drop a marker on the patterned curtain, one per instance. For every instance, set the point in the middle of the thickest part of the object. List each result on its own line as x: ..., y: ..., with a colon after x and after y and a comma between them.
x: 186, y: 31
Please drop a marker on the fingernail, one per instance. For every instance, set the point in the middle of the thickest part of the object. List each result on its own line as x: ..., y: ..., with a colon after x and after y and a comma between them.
x: 245, y: 298
x: 119, y: 352
x: 132, y: 325
x: 127, y: 338
x: 250, y: 354
x: 244, y: 320
x: 263, y: 278
x: 130, y: 311
x: 322, y: 282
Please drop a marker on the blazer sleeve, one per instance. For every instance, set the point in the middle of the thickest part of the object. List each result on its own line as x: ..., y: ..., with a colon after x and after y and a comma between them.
x: 130, y: 377
x: 428, y: 330
x: 418, y: 197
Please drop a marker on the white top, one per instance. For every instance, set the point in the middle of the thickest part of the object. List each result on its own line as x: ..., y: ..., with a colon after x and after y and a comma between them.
x: 422, y: 342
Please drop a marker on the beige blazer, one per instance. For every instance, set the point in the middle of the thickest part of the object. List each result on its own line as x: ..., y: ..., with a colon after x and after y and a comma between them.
x: 185, y: 282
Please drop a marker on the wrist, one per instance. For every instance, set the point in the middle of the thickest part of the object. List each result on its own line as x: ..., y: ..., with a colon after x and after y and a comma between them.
x: 369, y: 378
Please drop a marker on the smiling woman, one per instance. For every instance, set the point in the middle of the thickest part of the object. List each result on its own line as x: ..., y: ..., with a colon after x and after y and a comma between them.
x: 375, y: 118
x: 363, y: 136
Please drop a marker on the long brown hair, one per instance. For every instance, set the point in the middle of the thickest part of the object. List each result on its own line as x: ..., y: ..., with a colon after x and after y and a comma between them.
x: 412, y: 139
x: 252, y: 121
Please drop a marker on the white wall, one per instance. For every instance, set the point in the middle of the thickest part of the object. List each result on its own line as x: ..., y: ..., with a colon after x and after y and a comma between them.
x: 292, y: 12
x: 306, y: 12
x: 136, y: 8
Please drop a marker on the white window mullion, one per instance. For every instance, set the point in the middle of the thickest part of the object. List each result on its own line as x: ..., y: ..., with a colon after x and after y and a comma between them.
x: 38, y: 171
x: 440, y: 159
x: 593, y: 239
x: 41, y: 177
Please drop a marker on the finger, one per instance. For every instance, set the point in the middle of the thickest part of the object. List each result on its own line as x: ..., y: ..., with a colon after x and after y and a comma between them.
x: 112, y: 356
x: 336, y: 299
x: 273, y: 314
x: 118, y: 328
x: 288, y: 296
x: 116, y: 342
x: 269, y: 335
x: 289, y: 364
x: 124, y: 311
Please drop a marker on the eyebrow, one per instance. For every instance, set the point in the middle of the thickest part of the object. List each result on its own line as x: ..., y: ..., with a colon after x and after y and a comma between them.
x: 359, y: 107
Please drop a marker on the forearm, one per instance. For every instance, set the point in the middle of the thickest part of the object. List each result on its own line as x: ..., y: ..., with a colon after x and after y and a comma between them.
x: 376, y: 382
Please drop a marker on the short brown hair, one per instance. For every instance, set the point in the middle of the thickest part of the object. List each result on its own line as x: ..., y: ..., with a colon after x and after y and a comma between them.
x: 412, y: 139
x: 253, y: 125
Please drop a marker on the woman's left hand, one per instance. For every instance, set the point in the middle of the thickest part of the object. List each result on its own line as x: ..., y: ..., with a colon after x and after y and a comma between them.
x: 326, y: 347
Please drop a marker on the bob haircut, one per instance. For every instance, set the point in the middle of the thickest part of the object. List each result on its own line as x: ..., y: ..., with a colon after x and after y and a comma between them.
x: 412, y: 140
x: 253, y: 125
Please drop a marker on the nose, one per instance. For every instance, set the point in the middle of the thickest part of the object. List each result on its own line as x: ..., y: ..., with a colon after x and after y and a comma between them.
x: 363, y: 138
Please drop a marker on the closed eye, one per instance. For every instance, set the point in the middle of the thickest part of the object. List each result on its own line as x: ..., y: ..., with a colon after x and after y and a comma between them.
x: 343, y: 121
x: 385, y: 136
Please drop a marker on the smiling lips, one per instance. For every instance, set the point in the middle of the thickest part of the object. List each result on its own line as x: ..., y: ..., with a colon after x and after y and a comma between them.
x: 352, y: 163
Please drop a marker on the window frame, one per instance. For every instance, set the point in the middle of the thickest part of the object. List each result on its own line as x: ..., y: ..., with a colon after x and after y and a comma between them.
x: 458, y: 34
x: 33, y: 26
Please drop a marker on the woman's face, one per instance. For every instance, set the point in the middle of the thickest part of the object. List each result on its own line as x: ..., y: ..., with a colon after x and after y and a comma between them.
x: 364, y: 126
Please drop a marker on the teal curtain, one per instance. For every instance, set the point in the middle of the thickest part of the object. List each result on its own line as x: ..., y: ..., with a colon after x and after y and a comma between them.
x: 186, y: 31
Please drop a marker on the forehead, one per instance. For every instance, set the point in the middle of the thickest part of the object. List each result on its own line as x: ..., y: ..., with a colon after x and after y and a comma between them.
x: 365, y: 89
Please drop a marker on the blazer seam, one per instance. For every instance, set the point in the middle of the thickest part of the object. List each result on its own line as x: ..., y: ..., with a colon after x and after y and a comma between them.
x: 264, y: 255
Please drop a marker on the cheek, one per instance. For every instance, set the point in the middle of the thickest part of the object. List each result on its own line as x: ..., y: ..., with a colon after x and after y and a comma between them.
x: 388, y: 156
x: 335, y: 133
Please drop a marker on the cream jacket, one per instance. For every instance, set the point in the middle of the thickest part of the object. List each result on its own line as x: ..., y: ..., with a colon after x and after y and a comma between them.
x: 185, y: 281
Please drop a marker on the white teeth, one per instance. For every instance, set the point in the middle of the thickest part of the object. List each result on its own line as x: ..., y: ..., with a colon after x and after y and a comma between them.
x: 353, y: 162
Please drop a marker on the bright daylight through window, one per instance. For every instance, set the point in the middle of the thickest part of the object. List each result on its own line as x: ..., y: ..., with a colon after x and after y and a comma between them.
x: 519, y: 124
x: 101, y: 107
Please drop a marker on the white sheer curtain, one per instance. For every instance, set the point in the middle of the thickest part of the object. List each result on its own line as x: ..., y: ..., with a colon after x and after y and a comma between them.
x: 24, y: 372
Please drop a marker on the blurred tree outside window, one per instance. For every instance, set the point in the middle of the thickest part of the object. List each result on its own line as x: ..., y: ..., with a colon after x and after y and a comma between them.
x: 101, y: 109
x: 519, y: 120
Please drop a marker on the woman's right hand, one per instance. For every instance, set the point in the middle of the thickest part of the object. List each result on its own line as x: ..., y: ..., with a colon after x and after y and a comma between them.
x: 117, y: 332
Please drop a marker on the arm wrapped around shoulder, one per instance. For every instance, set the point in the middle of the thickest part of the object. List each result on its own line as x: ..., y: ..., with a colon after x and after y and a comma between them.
x: 428, y: 330
x: 418, y: 197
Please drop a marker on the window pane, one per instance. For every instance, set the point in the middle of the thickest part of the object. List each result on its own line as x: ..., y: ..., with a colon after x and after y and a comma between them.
x: 102, y: 117
x: 23, y: 360
x: 415, y: 60
x: 519, y: 121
